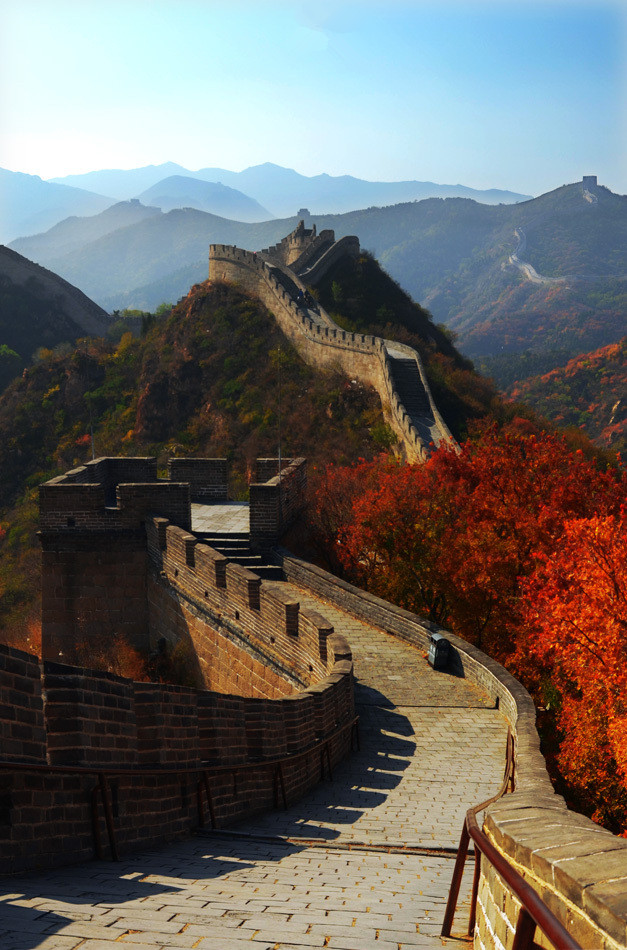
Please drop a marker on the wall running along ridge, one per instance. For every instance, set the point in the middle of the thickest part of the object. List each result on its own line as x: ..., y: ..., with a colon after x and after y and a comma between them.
x: 578, y: 868
x: 358, y: 356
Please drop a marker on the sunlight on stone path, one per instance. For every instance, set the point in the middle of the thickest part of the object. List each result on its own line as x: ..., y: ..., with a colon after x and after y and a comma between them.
x: 431, y: 746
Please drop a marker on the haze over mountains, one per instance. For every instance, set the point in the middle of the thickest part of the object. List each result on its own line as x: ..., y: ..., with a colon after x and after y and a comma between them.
x: 31, y: 205
x: 284, y: 190
x: 462, y: 259
x: 179, y: 191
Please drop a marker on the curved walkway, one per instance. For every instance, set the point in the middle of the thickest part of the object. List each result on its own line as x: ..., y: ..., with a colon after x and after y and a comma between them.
x: 363, y: 863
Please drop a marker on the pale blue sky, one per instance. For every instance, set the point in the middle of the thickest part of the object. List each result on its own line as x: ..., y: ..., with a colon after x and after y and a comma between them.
x: 520, y: 95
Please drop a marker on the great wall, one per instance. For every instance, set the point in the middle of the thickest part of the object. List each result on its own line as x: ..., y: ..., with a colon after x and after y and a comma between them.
x: 279, y: 274
x: 312, y: 791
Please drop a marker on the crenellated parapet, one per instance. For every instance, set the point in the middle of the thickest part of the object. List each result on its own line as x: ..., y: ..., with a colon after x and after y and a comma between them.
x: 323, y: 344
x: 272, y: 702
x: 93, y: 523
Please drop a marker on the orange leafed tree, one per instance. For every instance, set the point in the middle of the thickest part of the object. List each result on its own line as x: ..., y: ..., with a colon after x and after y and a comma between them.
x: 575, y: 627
x: 452, y: 538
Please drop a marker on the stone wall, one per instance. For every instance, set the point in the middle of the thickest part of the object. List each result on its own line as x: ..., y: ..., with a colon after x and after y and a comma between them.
x: 315, y: 271
x: 327, y: 347
x: 279, y: 679
x: 275, y: 501
x: 248, y: 634
x: 578, y: 868
x: 282, y: 685
x: 318, y: 244
x: 291, y: 247
x: 207, y: 478
x: 94, y: 553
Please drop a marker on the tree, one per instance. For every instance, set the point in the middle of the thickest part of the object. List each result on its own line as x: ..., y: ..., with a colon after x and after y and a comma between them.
x: 575, y: 627
x: 519, y: 544
x: 452, y: 538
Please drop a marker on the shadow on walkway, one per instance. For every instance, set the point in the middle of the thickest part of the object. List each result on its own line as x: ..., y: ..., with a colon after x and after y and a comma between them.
x: 359, y: 783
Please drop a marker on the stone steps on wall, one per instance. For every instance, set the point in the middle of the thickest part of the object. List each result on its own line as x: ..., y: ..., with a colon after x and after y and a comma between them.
x: 409, y: 387
x: 236, y: 546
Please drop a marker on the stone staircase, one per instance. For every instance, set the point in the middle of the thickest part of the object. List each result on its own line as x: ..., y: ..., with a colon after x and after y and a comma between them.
x: 410, y: 388
x: 236, y: 546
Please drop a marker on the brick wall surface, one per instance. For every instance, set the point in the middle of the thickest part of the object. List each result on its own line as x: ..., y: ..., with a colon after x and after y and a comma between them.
x: 93, y: 588
x: 275, y: 503
x: 280, y: 682
x: 22, y: 734
x: 207, y: 478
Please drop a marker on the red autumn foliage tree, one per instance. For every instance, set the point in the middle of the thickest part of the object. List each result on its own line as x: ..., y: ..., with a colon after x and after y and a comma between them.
x: 575, y: 628
x: 450, y: 539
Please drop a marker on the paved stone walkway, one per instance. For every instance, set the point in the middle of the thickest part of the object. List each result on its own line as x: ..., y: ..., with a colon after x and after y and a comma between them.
x: 431, y: 746
x: 231, y: 516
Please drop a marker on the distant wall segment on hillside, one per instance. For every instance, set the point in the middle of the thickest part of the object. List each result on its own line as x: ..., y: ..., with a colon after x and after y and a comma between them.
x: 319, y: 341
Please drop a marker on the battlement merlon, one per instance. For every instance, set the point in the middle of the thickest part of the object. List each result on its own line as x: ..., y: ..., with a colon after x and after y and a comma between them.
x: 117, y: 493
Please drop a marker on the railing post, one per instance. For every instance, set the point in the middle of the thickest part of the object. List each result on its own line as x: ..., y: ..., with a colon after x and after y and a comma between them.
x: 475, y: 891
x: 453, y: 894
x: 212, y: 813
x: 199, y: 804
x: 95, y: 822
x: 525, y: 931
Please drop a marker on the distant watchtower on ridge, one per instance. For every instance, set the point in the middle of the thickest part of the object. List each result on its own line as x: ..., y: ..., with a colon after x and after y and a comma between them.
x: 589, y: 182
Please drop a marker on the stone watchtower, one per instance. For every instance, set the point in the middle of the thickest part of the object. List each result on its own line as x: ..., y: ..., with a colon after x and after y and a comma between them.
x: 291, y: 247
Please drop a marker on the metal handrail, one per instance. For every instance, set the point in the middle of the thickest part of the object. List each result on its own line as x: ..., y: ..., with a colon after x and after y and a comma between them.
x: 533, y: 911
x: 202, y: 769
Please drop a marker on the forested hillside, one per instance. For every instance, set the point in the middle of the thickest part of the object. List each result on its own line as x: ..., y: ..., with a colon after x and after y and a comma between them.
x: 38, y: 309
x: 452, y: 255
x: 208, y: 379
x: 590, y: 391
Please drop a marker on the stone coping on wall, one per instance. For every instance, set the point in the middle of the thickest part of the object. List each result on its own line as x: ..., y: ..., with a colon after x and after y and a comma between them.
x: 578, y: 868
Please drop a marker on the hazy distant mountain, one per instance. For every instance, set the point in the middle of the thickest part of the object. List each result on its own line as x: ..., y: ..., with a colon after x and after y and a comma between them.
x: 29, y: 205
x: 72, y: 234
x: 123, y: 183
x: 179, y: 191
x: 452, y: 255
x: 284, y: 190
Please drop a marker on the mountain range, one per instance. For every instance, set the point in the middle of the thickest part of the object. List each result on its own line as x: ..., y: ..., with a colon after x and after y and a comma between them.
x: 258, y: 193
x: 179, y: 191
x: 284, y: 190
x: 29, y: 205
x: 547, y: 273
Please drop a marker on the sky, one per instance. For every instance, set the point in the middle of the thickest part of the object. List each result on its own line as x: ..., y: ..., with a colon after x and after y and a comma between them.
x: 525, y: 95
